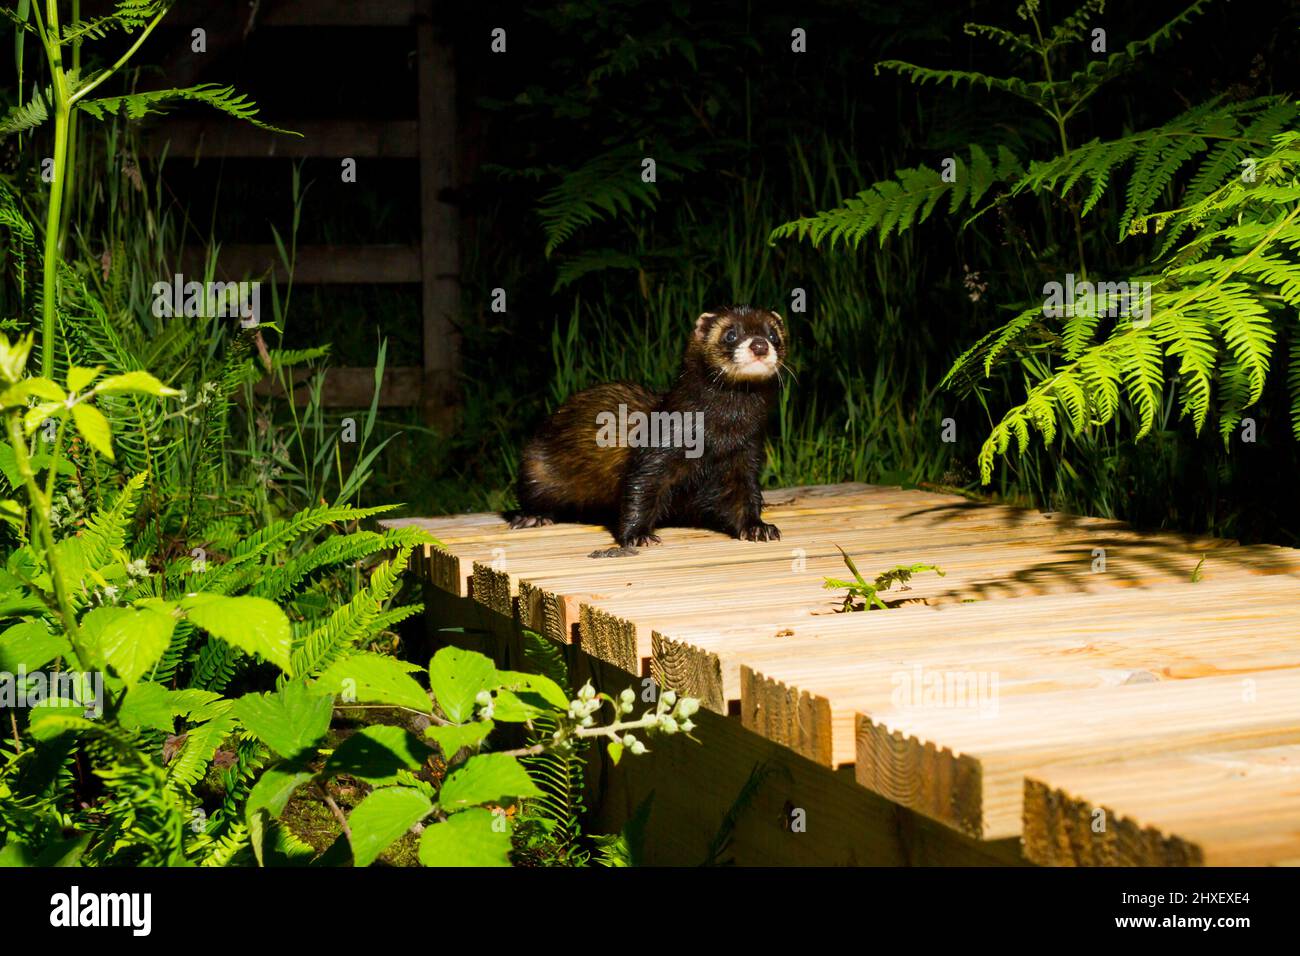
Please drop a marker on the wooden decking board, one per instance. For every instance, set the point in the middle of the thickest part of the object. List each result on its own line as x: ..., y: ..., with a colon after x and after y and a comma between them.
x: 1033, y: 733
x: 1111, y: 688
x: 1231, y: 808
x: 705, y: 660
x: 1015, y: 569
x: 773, y: 683
x: 632, y: 588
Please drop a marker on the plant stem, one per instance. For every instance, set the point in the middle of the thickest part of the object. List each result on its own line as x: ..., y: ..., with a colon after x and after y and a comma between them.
x: 122, y: 60
x: 69, y: 196
x: 45, y: 535
x: 1059, y: 117
x: 62, y: 107
x: 334, y: 809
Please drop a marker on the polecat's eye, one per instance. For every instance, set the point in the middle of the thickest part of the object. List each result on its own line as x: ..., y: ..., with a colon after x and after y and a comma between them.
x: 729, y: 336
x: 773, y: 335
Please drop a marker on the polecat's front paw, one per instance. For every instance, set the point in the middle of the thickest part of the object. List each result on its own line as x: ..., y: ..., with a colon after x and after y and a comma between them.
x: 641, y: 540
x: 761, y: 532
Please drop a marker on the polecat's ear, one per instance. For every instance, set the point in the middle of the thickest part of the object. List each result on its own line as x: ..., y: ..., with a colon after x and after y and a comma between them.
x: 777, y: 315
x: 702, y: 324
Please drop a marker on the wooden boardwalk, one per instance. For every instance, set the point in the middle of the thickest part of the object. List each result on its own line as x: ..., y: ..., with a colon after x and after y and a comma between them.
x: 1066, y: 682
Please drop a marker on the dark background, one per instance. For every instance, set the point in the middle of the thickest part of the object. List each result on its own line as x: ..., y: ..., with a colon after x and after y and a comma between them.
x: 748, y: 135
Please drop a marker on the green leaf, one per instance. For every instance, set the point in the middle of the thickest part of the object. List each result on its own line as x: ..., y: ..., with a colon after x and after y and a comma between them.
x: 511, y: 709
x: 472, y: 838
x: 17, y: 394
x: 615, y: 750
x: 456, y: 677
x: 147, y: 705
x: 57, y: 853
x: 134, y: 383
x: 252, y: 624
x: 275, y: 787
x: 270, y: 796
x: 12, y: 512
x: 50, y: 718
x: 37, y: 415
x: 155, y: 706
x: 79, y: 377
x: 375, y: 754
x: 452, y: 738
x: 382, y: 818
x: 30, y: 645
x: 374, y: 677
x: 486, y: 778
x: 538, y: 684
x: 288, y: 721
x: 130, y: 641
x: 93, y: 427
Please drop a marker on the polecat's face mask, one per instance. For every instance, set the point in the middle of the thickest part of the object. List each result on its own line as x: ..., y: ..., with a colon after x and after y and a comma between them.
x: 744, y: 345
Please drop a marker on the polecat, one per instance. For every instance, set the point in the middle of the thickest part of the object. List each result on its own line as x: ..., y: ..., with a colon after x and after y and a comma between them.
x: 635, y: 460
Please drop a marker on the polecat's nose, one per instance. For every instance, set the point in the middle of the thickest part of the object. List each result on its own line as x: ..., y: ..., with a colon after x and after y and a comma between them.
x: 758, y: 347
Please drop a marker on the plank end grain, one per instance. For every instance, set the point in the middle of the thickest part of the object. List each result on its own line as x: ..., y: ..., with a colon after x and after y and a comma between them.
x: 932, y: 780
x: 609, y: 638
x: 690, y: 671
x: 793, y: 718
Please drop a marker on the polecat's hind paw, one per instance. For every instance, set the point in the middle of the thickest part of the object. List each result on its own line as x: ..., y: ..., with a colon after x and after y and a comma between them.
x: 613, y: 553
x: 761, y: 532
x: 520, y: 520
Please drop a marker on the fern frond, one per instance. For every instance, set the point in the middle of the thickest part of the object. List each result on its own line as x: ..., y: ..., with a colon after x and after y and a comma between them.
x: 1072, y: 28
x: 235, y: 572
x: 201, y: 742
x: 606, y: 185
x: 126, y: 15
x: 25, y: 116
x: 1034, y: 91
x: 11, y: 217
x: 894, y: 205
x: 223, y: 851
x: 215, y: 665
x: 361, y: 618
x: 1099, y: 71
x: 585, y: 263
x: 138, y: 105
x: 337, y: 549
x: 1019, y: 42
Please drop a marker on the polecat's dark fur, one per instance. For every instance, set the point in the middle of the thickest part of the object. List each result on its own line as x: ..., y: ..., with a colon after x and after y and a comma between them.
x: 730, y: 373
